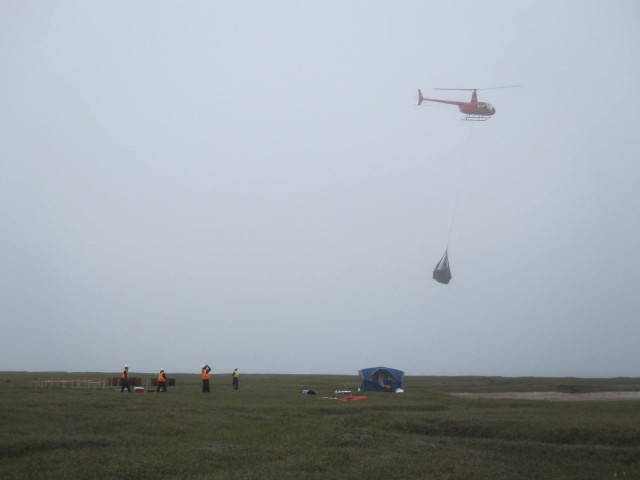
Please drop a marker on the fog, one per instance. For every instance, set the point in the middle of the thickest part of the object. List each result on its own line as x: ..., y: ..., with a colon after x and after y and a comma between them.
x: 252, y: 185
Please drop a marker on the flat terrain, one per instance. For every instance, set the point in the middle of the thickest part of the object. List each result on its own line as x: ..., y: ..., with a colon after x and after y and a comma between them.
x: 498, y: 429
x: 557, y: 396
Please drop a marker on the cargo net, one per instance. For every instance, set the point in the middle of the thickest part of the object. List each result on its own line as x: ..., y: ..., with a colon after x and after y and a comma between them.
x: 442, y: 273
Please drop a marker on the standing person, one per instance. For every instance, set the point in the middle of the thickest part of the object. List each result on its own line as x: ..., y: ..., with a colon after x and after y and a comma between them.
x: 124, y: 379
x: 162, y: 381
x: 204, y: 374
x: 236, y: 378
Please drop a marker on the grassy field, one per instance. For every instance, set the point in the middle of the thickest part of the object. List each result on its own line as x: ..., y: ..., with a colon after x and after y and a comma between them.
x: 268, y: 430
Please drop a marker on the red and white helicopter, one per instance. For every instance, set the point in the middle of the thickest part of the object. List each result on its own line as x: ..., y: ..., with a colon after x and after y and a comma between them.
x: 474, y: 110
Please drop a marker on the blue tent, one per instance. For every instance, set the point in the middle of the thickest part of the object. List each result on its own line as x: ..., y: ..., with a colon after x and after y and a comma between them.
x: 383, y: 379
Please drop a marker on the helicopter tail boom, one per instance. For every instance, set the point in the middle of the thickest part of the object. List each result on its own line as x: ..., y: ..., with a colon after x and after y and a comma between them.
x: 422, y: 98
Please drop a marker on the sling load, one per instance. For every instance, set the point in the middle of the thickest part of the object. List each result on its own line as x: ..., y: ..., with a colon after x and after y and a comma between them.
x: 442, y: 272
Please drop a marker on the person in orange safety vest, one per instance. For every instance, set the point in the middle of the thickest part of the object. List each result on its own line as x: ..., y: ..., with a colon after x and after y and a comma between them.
x: 162, y: 381
x: 204, y: 374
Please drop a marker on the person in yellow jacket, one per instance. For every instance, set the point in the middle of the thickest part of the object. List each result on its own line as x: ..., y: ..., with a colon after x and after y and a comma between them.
x: 236, y: 378
x: 204, y: 374
x: 124, y: 379
x: 162, y: 381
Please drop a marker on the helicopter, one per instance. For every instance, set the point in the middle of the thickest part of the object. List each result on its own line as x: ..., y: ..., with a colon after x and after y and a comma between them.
x: 474, y: 110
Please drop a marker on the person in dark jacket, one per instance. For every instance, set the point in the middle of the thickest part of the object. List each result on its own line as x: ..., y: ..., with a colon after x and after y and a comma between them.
x: 124, y: 379
x: 236, y: 378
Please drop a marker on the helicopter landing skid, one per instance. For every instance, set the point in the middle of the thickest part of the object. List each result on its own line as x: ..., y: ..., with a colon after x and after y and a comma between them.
x: 475, y: 118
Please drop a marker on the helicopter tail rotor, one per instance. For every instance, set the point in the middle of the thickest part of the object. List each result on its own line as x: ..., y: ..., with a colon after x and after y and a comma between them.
x: 420, y: 97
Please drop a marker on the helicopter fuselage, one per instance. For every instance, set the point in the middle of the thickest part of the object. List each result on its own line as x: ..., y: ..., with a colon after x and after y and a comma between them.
x: 482, y: 109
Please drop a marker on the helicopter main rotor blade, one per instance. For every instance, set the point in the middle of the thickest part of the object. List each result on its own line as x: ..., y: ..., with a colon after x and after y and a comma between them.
x: 476, y: 89
x: 495, y: 88
x: 463, y: 89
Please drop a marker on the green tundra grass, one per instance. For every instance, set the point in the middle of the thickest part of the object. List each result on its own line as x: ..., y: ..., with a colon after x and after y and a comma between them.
x: 268, y: 430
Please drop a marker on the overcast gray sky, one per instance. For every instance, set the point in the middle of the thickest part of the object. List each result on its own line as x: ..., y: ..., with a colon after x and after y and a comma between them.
x: 251, y: 184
